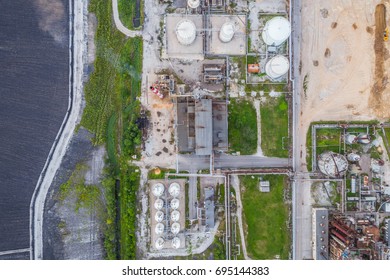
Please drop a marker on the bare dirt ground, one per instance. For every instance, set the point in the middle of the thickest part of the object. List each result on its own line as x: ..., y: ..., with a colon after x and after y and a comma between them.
x: 344, y: 61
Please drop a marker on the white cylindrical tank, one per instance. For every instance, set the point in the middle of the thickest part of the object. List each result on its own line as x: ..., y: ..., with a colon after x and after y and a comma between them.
x: 158, y: 189
x: 353, y: 157
x: 159, y: 228
x: 175, y: 203
x: 175, y: 243
x: 227, y: 32
x: 193, y: 4
x: 186, y: 32
x: 350, y: 139
x: 277, y: 66
x: 159, y: 217
x: 159, y: 244
x: 175, y: 228
x: 174, y: 189
x: 175, y: 215
x: 276, y: 31
x: 158, y: 204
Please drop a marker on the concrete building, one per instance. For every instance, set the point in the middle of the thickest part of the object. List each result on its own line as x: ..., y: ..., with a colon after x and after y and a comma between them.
x: 320, y: 231
x: 264, y: 186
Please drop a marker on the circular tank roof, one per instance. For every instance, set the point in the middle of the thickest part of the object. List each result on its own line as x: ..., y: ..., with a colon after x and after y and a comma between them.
x: 174, y: 189
x: 176, y: 242
x: 175, y: 228
x: 158, y: 189
x: 277, y: 66
x: 175, y: 215
x: 159, y: 229
x: 276, y: 31
x: 159, y: 243
x: 227, y: 32
x: 158, y: 204
x: 186, y: 32
x: 332, y: 164
x: 175, y: 203
x: 193, y: 4
x: 159, y: 216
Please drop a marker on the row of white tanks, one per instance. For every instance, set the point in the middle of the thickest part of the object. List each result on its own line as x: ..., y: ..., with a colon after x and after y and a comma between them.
x: 158, y: 189
x: 160, y: 243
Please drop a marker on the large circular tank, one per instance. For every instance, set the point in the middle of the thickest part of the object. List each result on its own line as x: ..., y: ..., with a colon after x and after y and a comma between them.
x: 186, y: 32
x: 175, y: 215
x: 176, y: 242
x: 175, y: 228
x: 158, y: 189
x: 193, y: 4
x: 227, y: 32
x: 159, y: 228
x: 174, y: 189
x: 158, y: 204
x: 277, y: 66
x: 276, y: 31
x: 159, y: 216
x: 175, y: 203
x: 332, y: 164
x: 159, y: 244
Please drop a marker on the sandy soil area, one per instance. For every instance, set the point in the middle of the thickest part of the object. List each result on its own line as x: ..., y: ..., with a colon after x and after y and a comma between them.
x: 339, y: 69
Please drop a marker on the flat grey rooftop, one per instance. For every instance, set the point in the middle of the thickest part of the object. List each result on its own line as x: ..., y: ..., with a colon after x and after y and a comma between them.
x: 203, y: 127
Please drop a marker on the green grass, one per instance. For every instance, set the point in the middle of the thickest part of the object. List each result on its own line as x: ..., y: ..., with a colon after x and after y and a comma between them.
x: 242, y: 127
x: 266, y: 216
x: 127, y: 12
x: 328, y: 139
x: 274, y: 127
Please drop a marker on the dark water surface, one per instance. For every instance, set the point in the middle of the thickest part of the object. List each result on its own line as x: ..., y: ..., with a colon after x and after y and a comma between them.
x: 34, y: 76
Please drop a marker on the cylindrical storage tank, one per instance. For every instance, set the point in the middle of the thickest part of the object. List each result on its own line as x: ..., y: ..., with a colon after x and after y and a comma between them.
x: 174, y: 189
x: 175, y: 228
x: 353, y: 157
x: 277, y: 67
x: 175, y: 215
x: 158, y: 189
x: 276, y: 31
x: 186, y: 32
x: 159, y: 217
x: 175, y: 243
x: 350, y: 139
x: 193, y: 4
x: 227, y: 32
x: 159, y: 228
x: 175, y: 203
x: 159, y: 244
x: 158, y: 204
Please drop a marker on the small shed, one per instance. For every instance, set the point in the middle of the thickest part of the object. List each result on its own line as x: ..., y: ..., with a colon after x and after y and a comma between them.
x: 264, y: 186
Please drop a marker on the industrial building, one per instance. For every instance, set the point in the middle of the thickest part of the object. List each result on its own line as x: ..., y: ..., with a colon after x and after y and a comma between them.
x: 320, y: 229
x: 206, y: 214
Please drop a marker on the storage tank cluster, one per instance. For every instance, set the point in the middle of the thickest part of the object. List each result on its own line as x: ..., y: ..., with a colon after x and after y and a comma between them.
x: 162, y: 216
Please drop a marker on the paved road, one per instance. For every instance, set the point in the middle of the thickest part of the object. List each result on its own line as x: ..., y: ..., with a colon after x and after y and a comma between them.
x: 188, y: 162
x: 119, y: 24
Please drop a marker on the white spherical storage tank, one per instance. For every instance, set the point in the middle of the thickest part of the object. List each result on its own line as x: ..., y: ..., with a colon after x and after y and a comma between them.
x: 175, y: 243
x: 186, y: 32
x: 175, y: 203
x: 277, y: 67
x: 175, y: 215
x: 193, y: 4
x: 175, y: 228
x: 158, y: 189
x: 158, y: 204
x: 159, y: 228
x: 174, y: 189
x: 276, y: 31
x: 159, y: 216
x: 227, y: 32
x: 159, y: 244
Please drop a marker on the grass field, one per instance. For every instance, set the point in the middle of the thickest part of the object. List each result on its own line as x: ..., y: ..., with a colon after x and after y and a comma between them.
x: 266, y: 216
x: 242, y: 127
x: 274, y: 127
x: 328, y: 139
x: 128, y: 12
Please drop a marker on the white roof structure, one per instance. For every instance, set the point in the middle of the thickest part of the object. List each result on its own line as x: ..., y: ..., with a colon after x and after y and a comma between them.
x: 227, y: 32
x: 193, y: 4
x: 277, y: 67
x: 158, y: 189
x: 353, y: 157
x: 186, y: 32
x: 350, y: 139
x: 159, y: 244
x: 175, y: 228
x: 176, y: 242
x: 159, y: 228
x: 332, y: 164
x: 158, y: 204
x: 174, y: 189
x: 175, y: 203
x: 159, y: 217
x: 175, y: 215
x: 276, y: 31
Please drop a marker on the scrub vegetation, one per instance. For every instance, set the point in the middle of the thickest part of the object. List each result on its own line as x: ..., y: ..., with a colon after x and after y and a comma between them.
x: 130, y: 14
